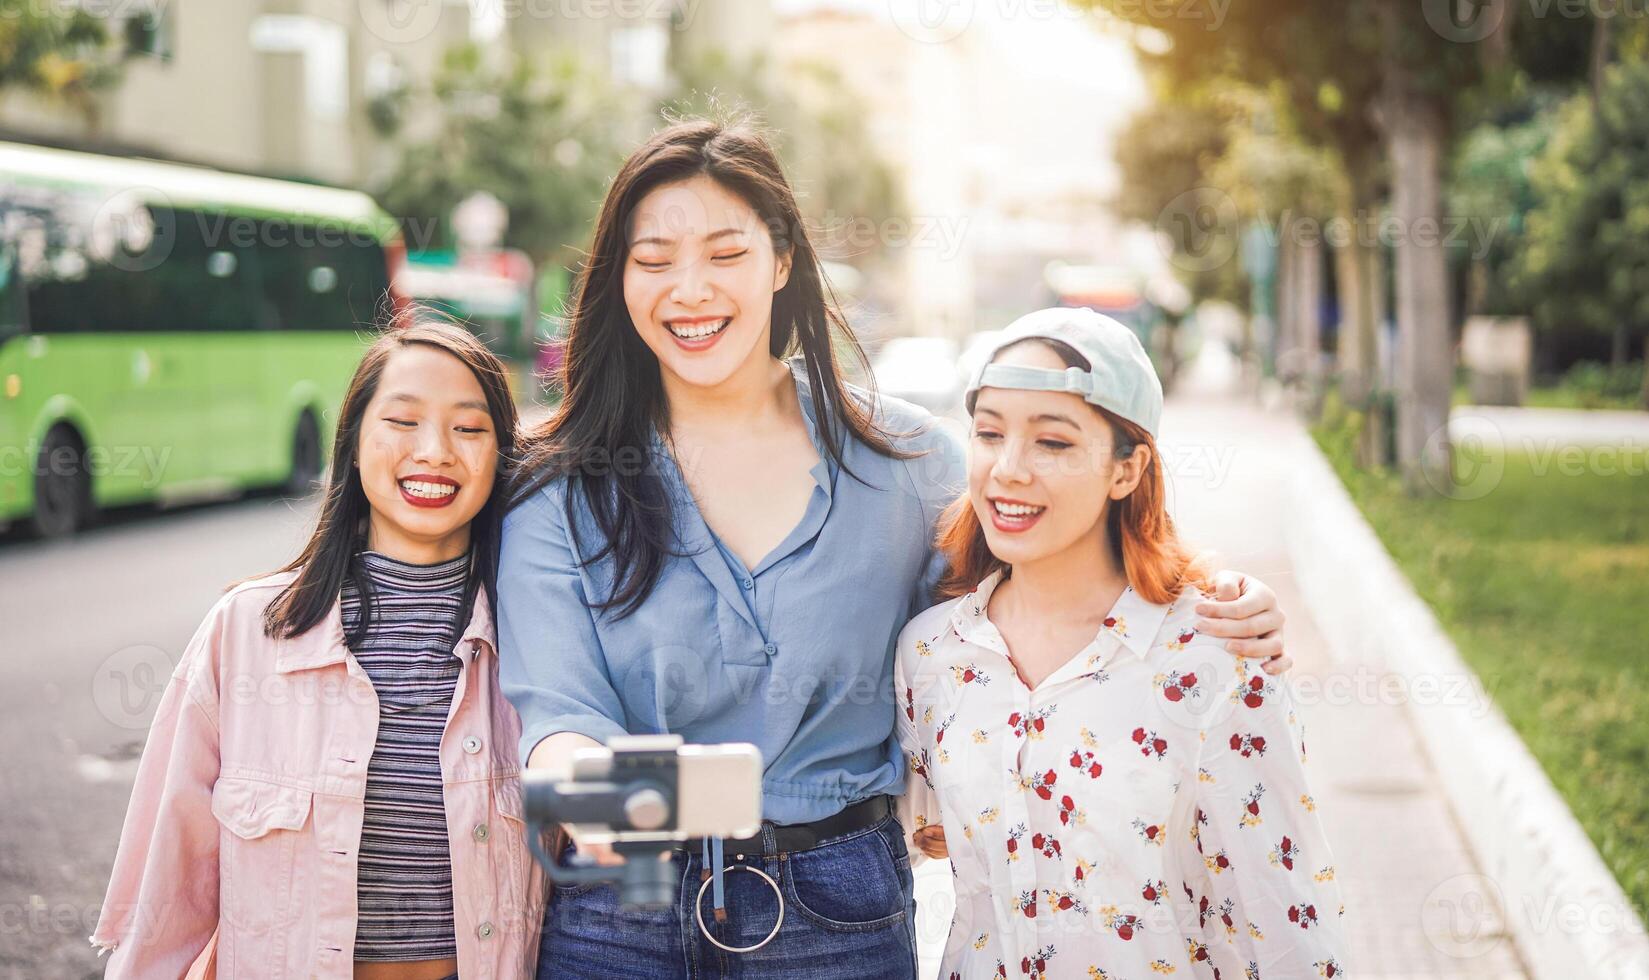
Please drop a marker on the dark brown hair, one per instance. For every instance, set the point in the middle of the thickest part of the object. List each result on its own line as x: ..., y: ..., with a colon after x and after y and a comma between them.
x: 614, y: 400
x: 330, y: 555
x: 1143, y: 540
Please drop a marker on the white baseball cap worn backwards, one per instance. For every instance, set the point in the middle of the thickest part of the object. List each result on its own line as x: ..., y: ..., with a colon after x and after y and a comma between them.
x: 1120, y: 378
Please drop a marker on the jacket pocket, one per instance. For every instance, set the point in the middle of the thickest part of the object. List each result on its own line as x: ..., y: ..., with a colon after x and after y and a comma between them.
x: 260, y: 823
x: 510, y: 854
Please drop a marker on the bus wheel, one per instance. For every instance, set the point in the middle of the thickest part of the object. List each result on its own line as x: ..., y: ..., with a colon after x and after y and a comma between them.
x: 62, y: 486
x: 306, y: 457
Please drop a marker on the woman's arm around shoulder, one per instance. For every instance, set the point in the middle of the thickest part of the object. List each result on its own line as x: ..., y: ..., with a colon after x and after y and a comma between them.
x: 913, y: 680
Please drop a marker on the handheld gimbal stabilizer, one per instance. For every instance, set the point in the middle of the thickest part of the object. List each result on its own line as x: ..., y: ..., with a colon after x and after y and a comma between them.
x: 643, y: 794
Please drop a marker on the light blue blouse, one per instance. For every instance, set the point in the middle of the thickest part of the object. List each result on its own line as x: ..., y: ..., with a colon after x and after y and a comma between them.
x: 794, y: 655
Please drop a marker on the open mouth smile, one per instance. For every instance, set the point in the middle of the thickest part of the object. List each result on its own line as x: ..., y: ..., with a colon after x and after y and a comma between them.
x: 1014, y: 516
x: 697, y: 333
x: 427, y: 490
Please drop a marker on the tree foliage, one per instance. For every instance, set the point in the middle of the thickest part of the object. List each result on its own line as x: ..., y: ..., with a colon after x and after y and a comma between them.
x: 540, y: 135
x: 818, y: 126
x: 55, y: 51
x: 546, y: 135
x: 1584, y: 261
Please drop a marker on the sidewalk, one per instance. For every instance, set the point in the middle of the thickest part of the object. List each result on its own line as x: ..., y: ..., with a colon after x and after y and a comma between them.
x: 1407, y: 878
x: 1536, y: 429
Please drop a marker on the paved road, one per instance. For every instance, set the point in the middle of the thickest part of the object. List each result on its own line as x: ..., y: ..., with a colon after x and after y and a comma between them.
x: 89, y: 629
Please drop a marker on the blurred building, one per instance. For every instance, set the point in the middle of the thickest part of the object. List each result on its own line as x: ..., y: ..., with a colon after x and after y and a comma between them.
x: 1002, y: 123
x: 272, y: 86
x: 737, y: 29
x: 636, y: 44
x: 290, y: 87
x: 629, y: 44
x: 916, y: 96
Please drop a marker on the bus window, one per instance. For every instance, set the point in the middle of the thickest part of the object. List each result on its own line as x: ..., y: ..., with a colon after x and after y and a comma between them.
x: 179, y: 279
x: 322, y: 278
x: 11, y: 292
x: 212, y: 274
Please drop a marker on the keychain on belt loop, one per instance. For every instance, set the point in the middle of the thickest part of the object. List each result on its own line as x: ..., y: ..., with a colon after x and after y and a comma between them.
x: 712, y: 879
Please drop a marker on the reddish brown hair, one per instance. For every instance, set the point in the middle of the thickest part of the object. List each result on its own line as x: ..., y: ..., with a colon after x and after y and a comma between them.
x: 1142, y: 535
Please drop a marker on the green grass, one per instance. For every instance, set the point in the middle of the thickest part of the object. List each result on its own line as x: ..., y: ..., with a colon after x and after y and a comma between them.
x: 1562, y: 396
x: 1543, y: 584
x: 1565, y: 397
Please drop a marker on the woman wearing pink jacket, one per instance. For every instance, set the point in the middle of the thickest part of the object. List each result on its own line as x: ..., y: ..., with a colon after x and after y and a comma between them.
x: 331, y: 786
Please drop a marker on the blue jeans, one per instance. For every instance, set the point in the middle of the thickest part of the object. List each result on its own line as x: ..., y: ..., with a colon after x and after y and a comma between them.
x: 849, y: 911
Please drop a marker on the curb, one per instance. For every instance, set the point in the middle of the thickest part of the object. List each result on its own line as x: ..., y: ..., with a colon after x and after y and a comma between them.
x: 1560, y: 903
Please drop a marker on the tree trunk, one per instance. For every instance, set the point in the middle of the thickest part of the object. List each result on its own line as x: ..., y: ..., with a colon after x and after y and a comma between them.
x: 1619, y: 342
x: 1357, y: 274
x: 1643, y: 396
x: 1308, y: 327
x: 1602, y: 29
x: 1414, y: 134
x: 1278, y: 359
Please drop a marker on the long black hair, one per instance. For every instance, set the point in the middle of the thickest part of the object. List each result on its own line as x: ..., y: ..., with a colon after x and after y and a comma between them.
x: 330, y: 556
x: 600, y: 436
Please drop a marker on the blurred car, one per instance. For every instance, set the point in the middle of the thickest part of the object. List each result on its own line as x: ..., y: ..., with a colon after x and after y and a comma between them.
x: 922, y: 370
x: 1118, y: 293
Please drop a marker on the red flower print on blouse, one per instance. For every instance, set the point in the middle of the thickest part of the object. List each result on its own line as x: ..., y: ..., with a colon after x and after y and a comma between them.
x: 1257, y: 690
x: 1150, y: 743
x: 1284, y: 853
x: 1177, y: 686
x: 1304, y: 915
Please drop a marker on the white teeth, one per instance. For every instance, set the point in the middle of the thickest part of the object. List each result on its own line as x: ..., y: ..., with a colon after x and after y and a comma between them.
x: 1017, y: 510
x: 419, y: 488
x: 698, y: 331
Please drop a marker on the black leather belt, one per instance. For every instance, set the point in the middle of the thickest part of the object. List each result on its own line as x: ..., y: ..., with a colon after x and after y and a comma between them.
x: 784, y: 838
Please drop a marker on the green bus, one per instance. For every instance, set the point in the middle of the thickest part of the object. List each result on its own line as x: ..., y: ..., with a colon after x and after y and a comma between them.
x: 172, y: 332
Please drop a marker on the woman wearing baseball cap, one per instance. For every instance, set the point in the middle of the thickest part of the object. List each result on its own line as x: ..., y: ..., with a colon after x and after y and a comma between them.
x: 1118, y: 794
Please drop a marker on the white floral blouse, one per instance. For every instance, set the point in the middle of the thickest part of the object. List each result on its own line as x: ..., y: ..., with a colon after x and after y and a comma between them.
x: 1143, y: 812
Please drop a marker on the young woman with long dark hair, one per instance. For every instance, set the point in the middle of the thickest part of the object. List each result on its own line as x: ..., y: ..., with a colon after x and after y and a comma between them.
x: 330, y: 787
x: 719, y: 537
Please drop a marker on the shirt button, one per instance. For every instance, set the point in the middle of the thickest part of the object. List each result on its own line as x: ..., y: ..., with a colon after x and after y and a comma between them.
x: 771, y: 649
x: 484, y: 930
x: 749, y: 583
x: 481, y: 833
x: 472, y: 745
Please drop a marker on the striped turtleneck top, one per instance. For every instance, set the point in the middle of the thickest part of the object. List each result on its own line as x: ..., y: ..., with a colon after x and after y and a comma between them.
x: 404, y: 878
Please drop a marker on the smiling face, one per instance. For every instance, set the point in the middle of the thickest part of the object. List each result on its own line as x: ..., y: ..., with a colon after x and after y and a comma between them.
x: 1042, y: 467
x: 428, y: 455
x: 699, y: 280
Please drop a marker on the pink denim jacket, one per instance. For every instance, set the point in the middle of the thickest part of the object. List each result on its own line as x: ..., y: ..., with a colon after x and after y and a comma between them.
x: 246, y: 815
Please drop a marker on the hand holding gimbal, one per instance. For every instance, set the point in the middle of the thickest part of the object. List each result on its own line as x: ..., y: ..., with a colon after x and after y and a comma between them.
x: 644, y: 794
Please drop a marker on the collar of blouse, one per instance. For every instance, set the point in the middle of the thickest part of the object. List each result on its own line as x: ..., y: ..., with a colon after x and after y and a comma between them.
x: 1129, y: 628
